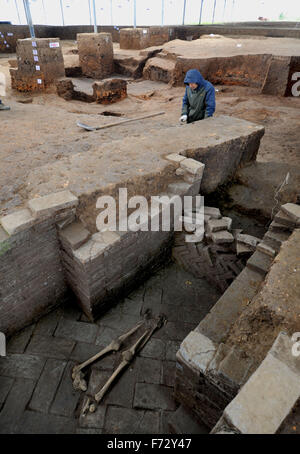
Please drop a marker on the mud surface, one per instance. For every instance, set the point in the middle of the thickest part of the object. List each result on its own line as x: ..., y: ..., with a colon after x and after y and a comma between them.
x: 44, y: 130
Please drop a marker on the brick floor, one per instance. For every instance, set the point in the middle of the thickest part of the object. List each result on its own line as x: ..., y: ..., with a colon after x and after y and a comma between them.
x: 36, y: 393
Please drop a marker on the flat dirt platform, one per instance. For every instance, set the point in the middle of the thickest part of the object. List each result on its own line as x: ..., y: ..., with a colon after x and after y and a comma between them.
x: 44, y: 131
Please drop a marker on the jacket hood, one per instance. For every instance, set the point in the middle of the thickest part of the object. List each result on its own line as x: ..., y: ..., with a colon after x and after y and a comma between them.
x: 193, y: 76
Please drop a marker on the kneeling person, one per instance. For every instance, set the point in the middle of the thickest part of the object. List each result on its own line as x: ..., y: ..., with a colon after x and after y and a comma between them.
x: 199, y: 100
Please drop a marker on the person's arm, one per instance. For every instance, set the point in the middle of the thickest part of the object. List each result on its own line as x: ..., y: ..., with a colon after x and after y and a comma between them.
x: 210, y: 102
x: 185, y: 104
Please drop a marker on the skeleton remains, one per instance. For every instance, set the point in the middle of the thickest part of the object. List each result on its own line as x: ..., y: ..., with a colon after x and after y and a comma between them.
x: 79, y: 383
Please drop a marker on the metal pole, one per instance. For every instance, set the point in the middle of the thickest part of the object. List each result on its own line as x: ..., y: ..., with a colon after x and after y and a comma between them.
x: 233, y: 3
x: 201, y: 8
x: 29, y: 18
x: 90, y: 12
x: 183, y: 16
x: 45, y: 15
x: 16, y: 4
x: 162, y: 11
x: 225, y: 1
x: 213, y: 18
x: 111, y: 13
x: 134, y: 13
x: 62, y: 12
x: 95, y: 17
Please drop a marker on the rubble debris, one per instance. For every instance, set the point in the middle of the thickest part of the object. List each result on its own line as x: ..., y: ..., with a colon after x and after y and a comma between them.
x: 110, y: 91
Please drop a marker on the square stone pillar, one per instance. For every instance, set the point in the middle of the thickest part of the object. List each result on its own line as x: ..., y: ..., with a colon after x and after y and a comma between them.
x: 40, y: 63
x: 96, y: 56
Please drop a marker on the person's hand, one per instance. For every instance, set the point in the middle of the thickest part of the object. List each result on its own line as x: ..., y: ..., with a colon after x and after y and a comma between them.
x: 183, y: 118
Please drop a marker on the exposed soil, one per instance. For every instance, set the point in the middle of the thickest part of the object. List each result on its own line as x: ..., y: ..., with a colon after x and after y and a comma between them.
x: 43, y: 130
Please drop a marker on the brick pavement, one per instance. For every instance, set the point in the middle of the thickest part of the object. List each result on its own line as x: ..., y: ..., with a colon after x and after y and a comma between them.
x: 36, y: 393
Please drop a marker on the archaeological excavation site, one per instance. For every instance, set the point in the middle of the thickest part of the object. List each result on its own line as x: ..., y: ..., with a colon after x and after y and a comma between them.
x: 149, y: 218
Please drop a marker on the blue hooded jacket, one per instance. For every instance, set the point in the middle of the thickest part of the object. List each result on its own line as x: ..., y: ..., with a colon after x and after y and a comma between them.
x: 200, y: 103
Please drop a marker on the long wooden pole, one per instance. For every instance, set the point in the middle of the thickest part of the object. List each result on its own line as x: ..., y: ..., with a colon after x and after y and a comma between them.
x: 110, y: 125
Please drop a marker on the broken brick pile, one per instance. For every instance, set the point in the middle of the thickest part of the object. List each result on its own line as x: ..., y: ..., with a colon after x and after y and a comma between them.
x: 110, y: 91
x: 40, y: 63
x: 221, y: 252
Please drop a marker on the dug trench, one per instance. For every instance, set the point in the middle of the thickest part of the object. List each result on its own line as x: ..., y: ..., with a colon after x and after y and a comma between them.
x: 37, y: 394
x: 142, y: 400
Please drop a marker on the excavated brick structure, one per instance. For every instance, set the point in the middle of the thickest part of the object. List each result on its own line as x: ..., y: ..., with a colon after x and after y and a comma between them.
x: 40, y: 63
x: 110, y: 91
x: 96, y: 56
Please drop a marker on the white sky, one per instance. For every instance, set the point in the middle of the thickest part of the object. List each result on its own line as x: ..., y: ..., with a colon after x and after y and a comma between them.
x: 149, y: 12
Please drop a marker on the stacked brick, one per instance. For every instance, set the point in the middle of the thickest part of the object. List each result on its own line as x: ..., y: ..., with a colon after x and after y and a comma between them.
x: 32, y: 278
x: 96, y: 54
x: 40, y: 63
x: 210, y: 373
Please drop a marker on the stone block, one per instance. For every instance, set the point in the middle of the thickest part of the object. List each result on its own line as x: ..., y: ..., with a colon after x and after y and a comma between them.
x: 175, y: 158
x: 5, y: 386
x: 35, y: 423
x: 242, y: 249
x: 197, y: 350
x: 50, y: 204
x: 77, y: 331
x: 217, y: 323
x: 153, y: 397
x: 282, y: 217
x: 128, y: 421
x: 15, y: 405
x: 266, y: 399
x: 66, y: 398
x: 18, y: 221
x: 265, y: 249
x: 282, y: 349
x: 249, y: 240
x: 278, y: 227
x: 260, y: 262
x: 192, y: 166
x: 21, y: 366
x: 50, y: 347
x: 293, y: 211
x: 95, y: 54
x: 214, y: 213
x: 215, y: 225
x: 275, y: 239
x: 47, y: 385
x: 222, y: 237
x: 179, y: 172
x: 75, y: 235
x: 110, y: 91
